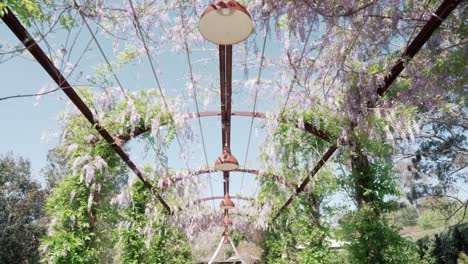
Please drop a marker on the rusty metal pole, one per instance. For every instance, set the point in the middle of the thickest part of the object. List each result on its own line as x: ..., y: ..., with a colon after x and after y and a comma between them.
x: 225, y: 72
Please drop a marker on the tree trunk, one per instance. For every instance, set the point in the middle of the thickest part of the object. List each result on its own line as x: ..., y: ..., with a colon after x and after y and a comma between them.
x: 362, y: 177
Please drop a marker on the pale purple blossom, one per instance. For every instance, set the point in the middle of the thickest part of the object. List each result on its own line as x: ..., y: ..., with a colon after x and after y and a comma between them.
x: 90, y: 174
x: 72, y: 196
x: 90, y: 202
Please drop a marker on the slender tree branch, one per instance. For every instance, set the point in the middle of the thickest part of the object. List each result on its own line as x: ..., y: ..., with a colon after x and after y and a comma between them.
x: 28, y: 95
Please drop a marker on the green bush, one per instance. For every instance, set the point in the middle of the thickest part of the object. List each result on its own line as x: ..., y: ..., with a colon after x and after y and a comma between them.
x: 448, y: 247
x: 462, y: 258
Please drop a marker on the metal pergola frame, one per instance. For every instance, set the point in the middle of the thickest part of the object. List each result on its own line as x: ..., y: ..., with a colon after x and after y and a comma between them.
x: 225, y: 52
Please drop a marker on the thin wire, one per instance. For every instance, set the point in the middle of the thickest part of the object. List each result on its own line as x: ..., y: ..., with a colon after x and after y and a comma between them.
x: 217, y: 250
x: 58, y: 88
x: 255, y: 105
x: 235, y: 250
x: 189, y: 62
x: 140, y: 33
x: 295, y: 75
x: 100, y: 49
x: 294, y: 80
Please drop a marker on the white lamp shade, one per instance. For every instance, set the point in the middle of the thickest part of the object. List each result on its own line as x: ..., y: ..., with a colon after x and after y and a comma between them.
x: 226, y: 161
x: 226, y: 166
x: 226, y: 26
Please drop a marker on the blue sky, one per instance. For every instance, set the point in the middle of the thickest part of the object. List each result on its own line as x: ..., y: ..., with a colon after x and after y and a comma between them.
x: 28, y: 124
x: 24, y: 121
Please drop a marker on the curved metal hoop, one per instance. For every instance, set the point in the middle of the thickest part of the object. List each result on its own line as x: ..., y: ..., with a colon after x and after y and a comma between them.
x: 176, y: 178
x: 309, y: 128
x: 201, y: 200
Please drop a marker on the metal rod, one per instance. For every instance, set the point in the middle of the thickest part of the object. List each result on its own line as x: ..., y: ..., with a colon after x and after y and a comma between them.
x: 225, y: 72
x: 228, y: 93
x: 426, y: 32
x: 225, y: 182
x: 217, y: 250
x: 222, y: 81
x: 29, y: 43
x: 306, y: 181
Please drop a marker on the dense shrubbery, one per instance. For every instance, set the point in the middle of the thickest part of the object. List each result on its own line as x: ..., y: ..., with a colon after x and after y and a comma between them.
x: 447, y: 247
x: 21, y: 211
x: 100, y: 214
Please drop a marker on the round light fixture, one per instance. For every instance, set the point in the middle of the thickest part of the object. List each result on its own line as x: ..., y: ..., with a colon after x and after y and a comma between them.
x: 226, y: 162
x: 226, y: 232
x: 226, y: 235
x: 226, y: 220
x: 226, y: 22
x: 227, y: 203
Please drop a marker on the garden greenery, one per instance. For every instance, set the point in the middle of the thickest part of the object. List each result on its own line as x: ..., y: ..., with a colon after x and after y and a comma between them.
x: 100, y: 213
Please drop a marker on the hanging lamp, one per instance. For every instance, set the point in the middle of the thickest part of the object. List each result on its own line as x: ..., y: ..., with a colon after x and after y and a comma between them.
x: 226, y: 162
x: 227, y: 203
x: 226, y: 235
x: 226, y: 232
x: 225, y: 22
x: 226, y: 220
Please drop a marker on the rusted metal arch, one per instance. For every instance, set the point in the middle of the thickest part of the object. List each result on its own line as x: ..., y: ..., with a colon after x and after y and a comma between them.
x: 31, y: 45
x: 171, y: 180
x: 201, y: 200
x: 426, y: 32
x: 307, y: 126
